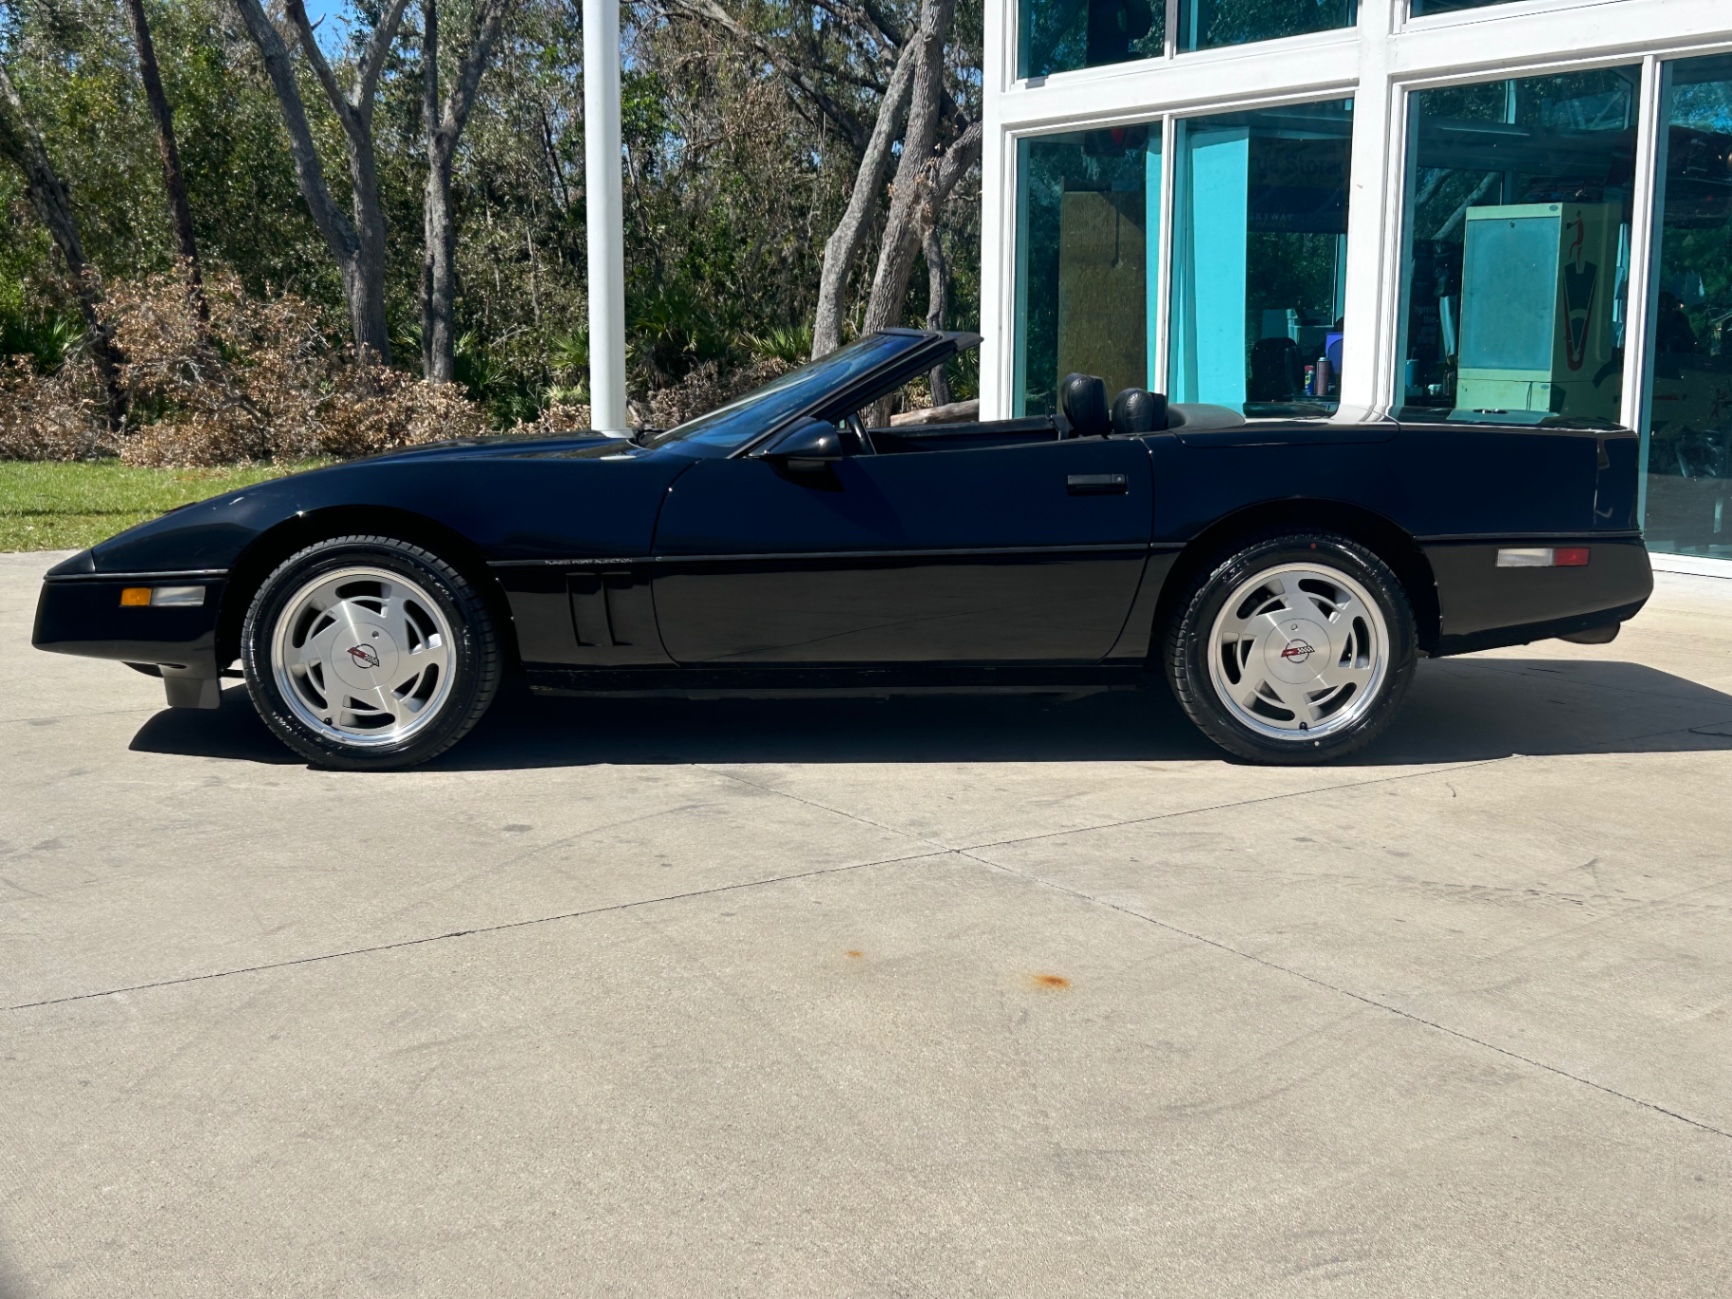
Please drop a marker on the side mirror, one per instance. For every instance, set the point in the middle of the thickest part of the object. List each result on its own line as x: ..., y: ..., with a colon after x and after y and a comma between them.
x: 809, y: 445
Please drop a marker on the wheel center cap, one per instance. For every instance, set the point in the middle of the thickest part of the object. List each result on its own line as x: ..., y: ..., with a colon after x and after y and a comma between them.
x: 364, y: 657
x: 1296, y: 650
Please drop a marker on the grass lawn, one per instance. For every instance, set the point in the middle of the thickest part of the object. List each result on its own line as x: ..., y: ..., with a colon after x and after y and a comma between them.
x: 71, y: 506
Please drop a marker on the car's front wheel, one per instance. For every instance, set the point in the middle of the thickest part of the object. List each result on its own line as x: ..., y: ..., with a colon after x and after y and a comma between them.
x: 369, y: 653
x: 1294, y: 648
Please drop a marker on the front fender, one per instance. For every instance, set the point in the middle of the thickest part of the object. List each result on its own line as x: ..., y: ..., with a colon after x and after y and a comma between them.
x: 509, y: 508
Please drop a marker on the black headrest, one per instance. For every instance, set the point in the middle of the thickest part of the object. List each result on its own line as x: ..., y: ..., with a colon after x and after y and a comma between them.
x: 1136, y: 410
x: 1083, y: 399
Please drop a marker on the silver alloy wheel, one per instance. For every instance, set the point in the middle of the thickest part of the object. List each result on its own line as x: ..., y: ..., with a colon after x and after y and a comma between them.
x: 1298, y: 651
x: 363, y: 656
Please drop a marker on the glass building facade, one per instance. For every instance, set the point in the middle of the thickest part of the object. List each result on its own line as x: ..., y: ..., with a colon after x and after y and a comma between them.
x: 1687, y: 363
x: 1463, y: 209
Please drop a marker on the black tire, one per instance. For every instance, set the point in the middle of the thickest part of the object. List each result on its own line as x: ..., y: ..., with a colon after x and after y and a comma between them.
x: 471, y: 669
x: 1263, y: 731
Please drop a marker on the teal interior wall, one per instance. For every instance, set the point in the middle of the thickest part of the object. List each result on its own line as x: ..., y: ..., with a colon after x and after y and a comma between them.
x: 1208, y: 346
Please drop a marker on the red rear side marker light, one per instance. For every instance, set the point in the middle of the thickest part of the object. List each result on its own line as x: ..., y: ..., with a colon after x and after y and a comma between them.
x: 1543, y: 557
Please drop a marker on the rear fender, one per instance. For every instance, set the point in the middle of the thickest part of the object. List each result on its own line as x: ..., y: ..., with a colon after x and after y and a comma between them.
x: 1376, y: 533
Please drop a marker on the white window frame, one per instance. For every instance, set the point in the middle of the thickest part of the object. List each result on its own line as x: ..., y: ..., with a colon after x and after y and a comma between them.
x: 1378, y: 63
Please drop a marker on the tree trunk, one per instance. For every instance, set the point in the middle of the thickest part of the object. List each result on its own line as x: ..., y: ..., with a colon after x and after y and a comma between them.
x: 364, y: 280
x: 913, y: 170
x: 937, y: 306
x: 22, y: 144
x: 435, y: 212
x: 842, y: 249
x: 932, y: 188
x: 443, y: 126
x: 173, y: 180
x: 357, y: 245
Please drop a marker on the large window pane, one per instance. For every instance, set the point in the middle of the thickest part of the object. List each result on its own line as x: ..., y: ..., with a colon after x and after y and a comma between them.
x: 1206, y: 24
x: 1518, y: 242
x: 1689, y: 353
x: 1259, y: 257
x: 1062, y: 35
x: 1087, y: 223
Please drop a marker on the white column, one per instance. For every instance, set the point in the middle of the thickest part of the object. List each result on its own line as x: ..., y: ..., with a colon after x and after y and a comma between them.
x: 1642, y: 295
x: 606, y: 210
x: 1370, y: 353
x: 997, y: 218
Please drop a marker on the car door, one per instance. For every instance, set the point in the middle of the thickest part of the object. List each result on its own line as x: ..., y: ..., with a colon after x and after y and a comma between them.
x: 1030, y: 551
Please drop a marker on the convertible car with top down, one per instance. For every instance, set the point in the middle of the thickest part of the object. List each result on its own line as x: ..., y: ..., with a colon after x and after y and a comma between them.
x: 1283, y: 566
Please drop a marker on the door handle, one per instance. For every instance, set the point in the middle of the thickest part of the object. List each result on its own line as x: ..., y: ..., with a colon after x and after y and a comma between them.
x: 1098, y: 484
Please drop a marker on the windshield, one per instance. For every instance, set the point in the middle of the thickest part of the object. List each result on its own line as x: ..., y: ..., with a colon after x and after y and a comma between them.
x: 742, y: 419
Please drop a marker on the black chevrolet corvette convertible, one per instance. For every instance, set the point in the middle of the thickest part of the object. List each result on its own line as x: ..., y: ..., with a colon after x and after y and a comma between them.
x: 1283, y: 566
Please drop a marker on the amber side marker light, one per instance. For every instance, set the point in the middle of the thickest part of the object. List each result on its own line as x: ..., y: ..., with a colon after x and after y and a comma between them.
x: 162, y: 597
x: 1544, y: 557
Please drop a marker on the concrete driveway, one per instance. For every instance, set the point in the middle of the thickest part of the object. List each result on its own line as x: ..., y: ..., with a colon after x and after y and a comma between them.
x: 958, y: 997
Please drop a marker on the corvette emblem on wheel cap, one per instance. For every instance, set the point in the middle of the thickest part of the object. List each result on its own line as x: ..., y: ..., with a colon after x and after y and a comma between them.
x: 1296, y: 651
x: 364, y: 656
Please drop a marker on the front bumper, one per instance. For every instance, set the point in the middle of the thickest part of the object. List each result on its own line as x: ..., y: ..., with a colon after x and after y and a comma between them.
x: 79, y: 612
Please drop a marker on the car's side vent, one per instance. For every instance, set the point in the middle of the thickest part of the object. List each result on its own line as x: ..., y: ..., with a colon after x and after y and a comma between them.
x: 612, y: 619
x: 591, y: 619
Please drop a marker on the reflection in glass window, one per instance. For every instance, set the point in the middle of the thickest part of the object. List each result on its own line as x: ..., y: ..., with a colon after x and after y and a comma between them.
x: 1208, y: 24
x: 1087, y: 223
x: 1423, y: 7
x: 1518, y: 245
x: 1689, y: 353
x: 1063, y: 35
x: 1259, y: 256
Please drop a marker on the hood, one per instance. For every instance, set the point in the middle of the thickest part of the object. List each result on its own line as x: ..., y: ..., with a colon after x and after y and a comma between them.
x: 507, y: 445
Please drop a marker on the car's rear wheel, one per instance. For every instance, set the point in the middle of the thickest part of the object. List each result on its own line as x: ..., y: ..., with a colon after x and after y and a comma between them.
x: 369, y: 653
x: 1295, y: 648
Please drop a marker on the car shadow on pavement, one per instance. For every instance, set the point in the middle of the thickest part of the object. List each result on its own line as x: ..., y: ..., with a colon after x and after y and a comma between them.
x: 1459, y: 710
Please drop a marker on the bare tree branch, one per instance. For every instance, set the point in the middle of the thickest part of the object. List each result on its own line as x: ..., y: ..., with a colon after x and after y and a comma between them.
x: 373, y: 59
x: 963, y: 153
x: 315, y: 57
x: 883, y: 22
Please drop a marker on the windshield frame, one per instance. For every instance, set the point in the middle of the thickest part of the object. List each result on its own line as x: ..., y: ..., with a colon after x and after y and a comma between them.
x: 811, y: 387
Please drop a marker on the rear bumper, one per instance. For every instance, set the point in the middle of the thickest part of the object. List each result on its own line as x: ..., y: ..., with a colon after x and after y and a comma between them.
x: 81, y: 613
x: 1483, y: 606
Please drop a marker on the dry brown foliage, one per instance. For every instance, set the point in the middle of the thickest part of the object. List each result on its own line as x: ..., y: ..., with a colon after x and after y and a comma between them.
x: 559, y: 419
x: 707, y: 387
x: 55, y: 416
x: 263, y: 384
